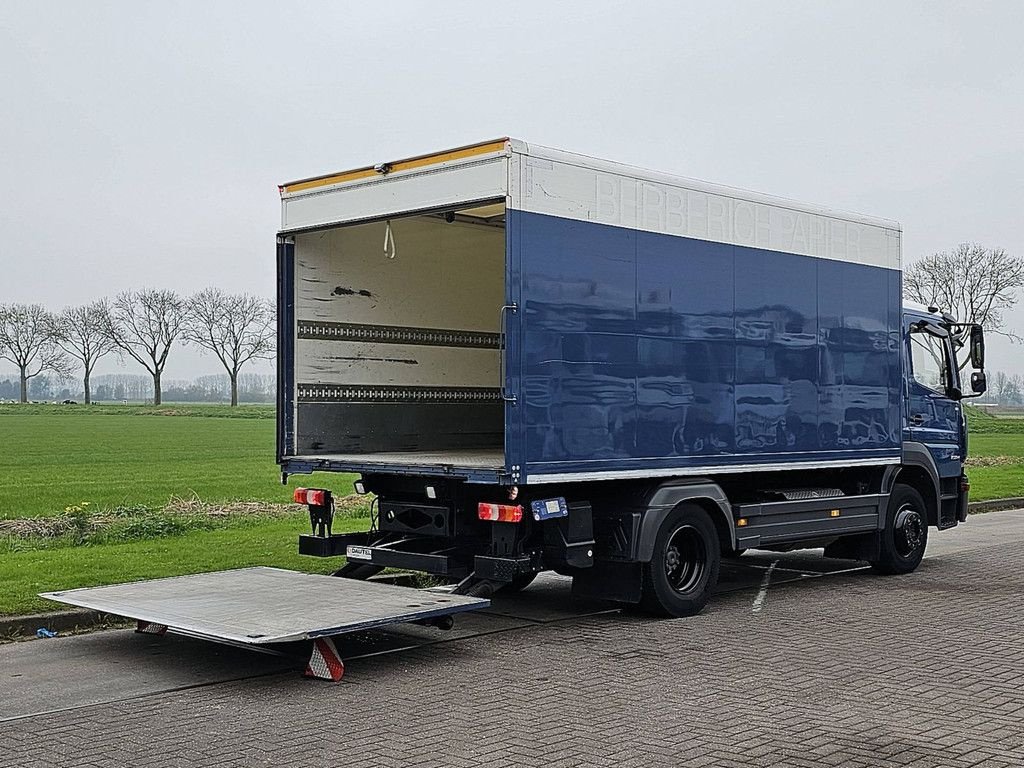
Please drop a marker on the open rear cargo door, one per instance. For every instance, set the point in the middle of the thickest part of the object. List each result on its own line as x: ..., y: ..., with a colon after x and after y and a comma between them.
x: 396, y: 318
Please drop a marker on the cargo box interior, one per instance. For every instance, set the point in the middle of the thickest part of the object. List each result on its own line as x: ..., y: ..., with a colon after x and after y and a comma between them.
x: 398, y: 344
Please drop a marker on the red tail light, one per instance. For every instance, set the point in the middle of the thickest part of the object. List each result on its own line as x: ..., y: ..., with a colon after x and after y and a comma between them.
x: 499, y: 513
x: 314, y: 497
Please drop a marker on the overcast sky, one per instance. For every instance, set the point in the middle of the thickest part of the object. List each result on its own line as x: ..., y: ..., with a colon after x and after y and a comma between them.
x: 141, y: 143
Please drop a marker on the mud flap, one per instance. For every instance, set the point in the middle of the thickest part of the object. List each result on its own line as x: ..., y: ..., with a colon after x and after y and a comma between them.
x: 620, y: 582
x: 866, y: 546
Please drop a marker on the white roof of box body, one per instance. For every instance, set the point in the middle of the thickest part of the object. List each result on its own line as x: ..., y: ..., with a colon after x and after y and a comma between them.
x: 542, y: 180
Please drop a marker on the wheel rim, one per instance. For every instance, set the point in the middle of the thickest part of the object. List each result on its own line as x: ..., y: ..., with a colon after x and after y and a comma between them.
x: 909, y: 529
x: 686, y: 558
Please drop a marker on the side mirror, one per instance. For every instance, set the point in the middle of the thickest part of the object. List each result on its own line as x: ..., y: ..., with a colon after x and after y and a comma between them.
x: 977, y: 349
x: 978, y: 382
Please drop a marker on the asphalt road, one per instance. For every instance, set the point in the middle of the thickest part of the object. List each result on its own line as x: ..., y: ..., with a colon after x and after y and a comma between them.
x: 816, y: 663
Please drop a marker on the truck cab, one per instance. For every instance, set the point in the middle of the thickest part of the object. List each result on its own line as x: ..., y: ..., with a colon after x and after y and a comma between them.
x: 934, y: 421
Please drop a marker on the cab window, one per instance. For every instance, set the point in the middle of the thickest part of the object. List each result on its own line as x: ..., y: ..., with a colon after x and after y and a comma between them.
x: 928, y: 360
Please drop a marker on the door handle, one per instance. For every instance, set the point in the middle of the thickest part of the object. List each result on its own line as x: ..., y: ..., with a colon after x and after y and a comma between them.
x: 917, y: 419
x: 502, y: 347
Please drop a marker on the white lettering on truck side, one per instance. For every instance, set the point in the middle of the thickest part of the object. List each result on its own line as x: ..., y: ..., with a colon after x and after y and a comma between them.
x: 667, y: 209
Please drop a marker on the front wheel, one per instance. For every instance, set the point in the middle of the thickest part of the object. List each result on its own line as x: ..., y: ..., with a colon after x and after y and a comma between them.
x: 683, y: 571
x: 906, y: 532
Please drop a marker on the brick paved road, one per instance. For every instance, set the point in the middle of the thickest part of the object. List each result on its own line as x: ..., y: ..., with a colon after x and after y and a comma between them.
x: 846, y: 669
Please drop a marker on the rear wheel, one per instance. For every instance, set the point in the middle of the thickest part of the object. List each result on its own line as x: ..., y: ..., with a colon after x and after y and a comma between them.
x: 683, y: 571
x: 906, y: 532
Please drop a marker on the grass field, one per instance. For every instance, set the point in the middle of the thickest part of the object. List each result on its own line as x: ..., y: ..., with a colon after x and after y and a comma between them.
x: 273, y: 542
x: 128, y: 459
x: 1000, y: 480
x: 57, y: 456
x: 1001, y: 442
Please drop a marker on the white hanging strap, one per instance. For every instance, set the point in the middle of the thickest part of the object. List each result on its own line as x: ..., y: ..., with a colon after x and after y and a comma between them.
x: 389, y: 241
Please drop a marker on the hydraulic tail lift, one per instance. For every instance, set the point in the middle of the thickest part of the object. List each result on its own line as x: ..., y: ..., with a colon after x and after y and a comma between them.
x: 263, y: 608
x: 260, y: 608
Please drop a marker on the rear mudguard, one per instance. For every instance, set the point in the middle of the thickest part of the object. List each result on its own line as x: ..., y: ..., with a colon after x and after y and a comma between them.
x: 667, y: 497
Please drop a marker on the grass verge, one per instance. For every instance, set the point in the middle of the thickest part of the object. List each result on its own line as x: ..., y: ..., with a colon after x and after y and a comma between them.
x: 81, y: 525
x: 270, y: 542
x: 995, y: 464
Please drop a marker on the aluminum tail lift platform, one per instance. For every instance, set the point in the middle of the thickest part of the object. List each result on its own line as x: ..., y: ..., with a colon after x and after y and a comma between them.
x: 258, y: 608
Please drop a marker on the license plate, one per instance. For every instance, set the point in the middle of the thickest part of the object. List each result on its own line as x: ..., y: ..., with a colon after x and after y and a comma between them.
x: 358, y: 553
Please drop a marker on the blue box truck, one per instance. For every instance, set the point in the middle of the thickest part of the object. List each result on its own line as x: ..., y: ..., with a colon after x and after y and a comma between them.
x: 536, y: 360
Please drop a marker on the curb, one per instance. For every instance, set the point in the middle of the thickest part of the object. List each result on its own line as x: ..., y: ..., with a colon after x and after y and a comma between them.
x: 21, y: 627
x: 995, y: 505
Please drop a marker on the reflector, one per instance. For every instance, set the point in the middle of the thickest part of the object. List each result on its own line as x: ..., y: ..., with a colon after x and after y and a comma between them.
x: 314, y: 497
x: 499, y: 513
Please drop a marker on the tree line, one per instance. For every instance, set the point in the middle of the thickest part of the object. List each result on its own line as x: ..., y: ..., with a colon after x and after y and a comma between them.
x: 143, y: 325
x: 106, y: 387
x: 1006, y: 388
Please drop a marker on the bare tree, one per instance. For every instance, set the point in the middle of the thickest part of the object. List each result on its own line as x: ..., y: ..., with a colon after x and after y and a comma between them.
x: 972, y: 283
x: 235, y: 327
x: 999, y: 386
x: 144, y: 325
x: 27, y: 340
x: 82, y: 333
x: 1015, y: 390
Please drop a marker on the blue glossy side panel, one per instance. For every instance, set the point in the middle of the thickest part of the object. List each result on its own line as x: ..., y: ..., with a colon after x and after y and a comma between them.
x: 686, y: 347
x: 643, y: 350
x: 578, y: 319
x: 859, y: 356
x: 777, y: 374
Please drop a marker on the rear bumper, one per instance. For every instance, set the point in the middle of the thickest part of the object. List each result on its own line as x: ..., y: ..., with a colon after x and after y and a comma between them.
x: 329, y: 546
x: 490, y: 568
x: 338, y: 545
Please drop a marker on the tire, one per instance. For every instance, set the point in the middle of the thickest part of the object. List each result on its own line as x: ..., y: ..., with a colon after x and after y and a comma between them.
x: 683, y: 571
x: 518, y: 584
x: 905, y: 536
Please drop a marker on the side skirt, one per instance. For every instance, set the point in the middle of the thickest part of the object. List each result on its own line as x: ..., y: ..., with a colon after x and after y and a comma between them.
x: 780, y: 522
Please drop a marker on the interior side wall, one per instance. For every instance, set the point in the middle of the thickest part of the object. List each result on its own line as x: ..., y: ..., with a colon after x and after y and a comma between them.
x: 399, y: 354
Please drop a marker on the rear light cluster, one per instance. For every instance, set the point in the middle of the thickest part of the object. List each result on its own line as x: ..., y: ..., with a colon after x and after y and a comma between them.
x: 499, y: 513
x: 313, y: 497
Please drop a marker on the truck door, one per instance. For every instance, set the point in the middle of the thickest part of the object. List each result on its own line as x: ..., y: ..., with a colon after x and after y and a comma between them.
x: 933, y: 417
